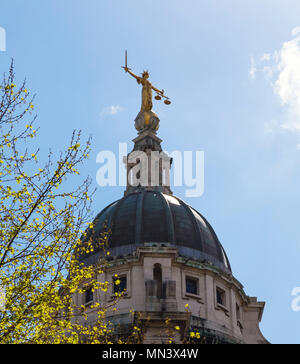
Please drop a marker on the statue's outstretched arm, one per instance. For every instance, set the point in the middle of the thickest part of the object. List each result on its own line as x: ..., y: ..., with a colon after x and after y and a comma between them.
x: 157, y: 90
x: 132, y: 74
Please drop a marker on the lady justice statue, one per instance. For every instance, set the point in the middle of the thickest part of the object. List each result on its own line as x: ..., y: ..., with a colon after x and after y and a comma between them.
x: 146, y: 118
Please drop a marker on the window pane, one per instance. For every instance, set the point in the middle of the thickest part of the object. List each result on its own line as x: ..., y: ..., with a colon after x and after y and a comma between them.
x: 191, y: 285
x: 238, y: 313
x: 220, y: 296
x: 121, y: 287
x: 89, y: 296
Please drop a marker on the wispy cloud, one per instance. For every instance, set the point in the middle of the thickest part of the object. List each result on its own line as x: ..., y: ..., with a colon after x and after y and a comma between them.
x: 111, y: 110
x: 266, y: 57
x: 272, y: 126
x: 287, y: 85
x: 281, y: 69
x: 252, y: 70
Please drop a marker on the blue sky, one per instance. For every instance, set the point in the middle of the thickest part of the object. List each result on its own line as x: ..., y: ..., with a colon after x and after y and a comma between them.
x: 231, y: 69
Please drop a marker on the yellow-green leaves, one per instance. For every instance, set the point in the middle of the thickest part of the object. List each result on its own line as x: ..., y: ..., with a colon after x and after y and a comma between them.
x: 40, y: 227
x: 74, y: 147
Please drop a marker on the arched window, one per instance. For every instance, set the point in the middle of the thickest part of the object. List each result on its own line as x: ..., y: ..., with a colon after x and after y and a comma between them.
x: 89, y: 295
x: 157, y: 276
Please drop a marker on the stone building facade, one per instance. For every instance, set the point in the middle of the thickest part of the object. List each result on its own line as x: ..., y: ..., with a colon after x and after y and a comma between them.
x: 169, y: 261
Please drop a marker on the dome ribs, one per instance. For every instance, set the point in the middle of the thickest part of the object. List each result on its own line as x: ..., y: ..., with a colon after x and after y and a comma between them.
x: 149, y: 216
x: 170, y: 221
x: 139, y: 218
x: 197, y: 234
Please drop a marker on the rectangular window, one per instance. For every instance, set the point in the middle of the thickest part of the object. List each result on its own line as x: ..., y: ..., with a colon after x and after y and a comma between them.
x: 120, y: 284
x: 220, y: 296
x: 89, y: 295
x: 238, y: 312
x: 191, y: 285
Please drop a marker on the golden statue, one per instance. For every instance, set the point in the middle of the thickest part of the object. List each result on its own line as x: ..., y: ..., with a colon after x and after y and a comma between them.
x: 147, y: 89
